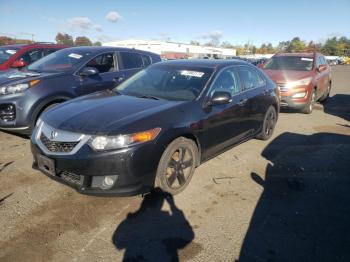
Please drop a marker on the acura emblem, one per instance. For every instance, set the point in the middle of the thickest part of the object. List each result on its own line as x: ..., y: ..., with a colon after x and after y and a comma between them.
x: 53, y: 134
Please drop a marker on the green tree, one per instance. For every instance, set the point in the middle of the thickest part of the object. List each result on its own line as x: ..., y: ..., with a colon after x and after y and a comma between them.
x: 296, y: 45
x: 194, y: 43
x: 98, y: 43
x: 82, y: 41
x: 64, y: 39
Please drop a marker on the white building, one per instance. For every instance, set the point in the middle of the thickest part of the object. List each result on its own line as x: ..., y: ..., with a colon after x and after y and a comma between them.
x: 171, y: 50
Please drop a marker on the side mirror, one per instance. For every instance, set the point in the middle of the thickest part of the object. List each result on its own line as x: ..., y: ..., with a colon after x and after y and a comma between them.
x: 220, y: 98
x: 18, y: 64
x: 88, y: 71
x: 321, y: 68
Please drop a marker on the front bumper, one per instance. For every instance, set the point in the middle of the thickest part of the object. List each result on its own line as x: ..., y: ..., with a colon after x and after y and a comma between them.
x: 134, y: 168
x: 20, y: 123
x: 288, y: 101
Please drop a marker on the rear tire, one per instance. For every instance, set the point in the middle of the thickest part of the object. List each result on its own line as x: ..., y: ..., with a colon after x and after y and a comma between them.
x: 177, y: 165
x: 269, y: 124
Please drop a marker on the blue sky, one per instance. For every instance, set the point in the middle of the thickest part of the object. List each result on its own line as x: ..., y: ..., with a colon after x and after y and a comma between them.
x: 182, y: 21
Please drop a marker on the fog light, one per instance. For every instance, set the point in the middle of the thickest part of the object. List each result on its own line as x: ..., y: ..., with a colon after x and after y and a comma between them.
x: 108, y: 181
x: 299, y: 95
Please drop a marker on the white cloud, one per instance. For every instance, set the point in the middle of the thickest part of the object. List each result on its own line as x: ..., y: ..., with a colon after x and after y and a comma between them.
x: 113, y: 16
x: 83, y: 24
x: 216, y: 34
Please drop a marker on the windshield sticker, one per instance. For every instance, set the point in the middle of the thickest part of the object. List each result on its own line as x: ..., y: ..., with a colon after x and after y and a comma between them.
x: 307, y: 59
x: 192, y: 73
x: 76, y: 56
x: 11, y: 52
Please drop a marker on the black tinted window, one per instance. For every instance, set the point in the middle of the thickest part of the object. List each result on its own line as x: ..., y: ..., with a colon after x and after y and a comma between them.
x: 131, y: 60
x: 146, y: 60
x: 250, y: 78
x: 31, y: 56
x: 103, y: 63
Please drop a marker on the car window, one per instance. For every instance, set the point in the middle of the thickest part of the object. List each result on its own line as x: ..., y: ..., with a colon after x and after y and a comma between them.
x: 6, y: 53
x: 295, y: 63
x: 146, y: 60
x: 50, y: 51
x: 226, y: 81
x: 250, y: 78
x: 32, y: 56
x: 103, y: 63
x: 131, y: 60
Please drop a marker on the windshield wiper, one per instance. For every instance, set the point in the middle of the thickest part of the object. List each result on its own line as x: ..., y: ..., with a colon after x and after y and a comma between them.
x: 150, y: 97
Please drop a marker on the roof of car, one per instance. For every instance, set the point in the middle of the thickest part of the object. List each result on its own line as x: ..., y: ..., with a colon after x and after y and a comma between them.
x: 305, y: 54
x: 33, y: 45
x: 105, y: 48
x: 210, y: 63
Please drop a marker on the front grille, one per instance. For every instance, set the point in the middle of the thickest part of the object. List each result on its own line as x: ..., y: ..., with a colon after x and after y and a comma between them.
x: 71, y: 178
x: 57, y: 147
x: 282, y: 87
x: 7, y: 112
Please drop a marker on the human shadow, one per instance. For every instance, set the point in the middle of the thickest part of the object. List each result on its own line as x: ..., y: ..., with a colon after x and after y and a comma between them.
x: 152, y: 234
x: 303, y: 213
x: 338, y: 105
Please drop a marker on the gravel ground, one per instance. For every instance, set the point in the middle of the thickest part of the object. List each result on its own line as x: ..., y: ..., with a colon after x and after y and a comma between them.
x: 286, y: 199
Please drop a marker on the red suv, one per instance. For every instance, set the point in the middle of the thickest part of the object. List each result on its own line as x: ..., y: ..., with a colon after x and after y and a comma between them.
x: 303, y: 79
x: 21, y: 55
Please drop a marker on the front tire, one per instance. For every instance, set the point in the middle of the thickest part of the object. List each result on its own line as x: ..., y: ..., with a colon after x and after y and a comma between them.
x: 269, y: 124
x: 326, y: 95
x: 177, y: 165
x: 310, y: 106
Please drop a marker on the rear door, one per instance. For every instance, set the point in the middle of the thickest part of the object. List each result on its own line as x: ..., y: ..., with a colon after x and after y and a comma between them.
x: 132, y: 62
x: 106, y: 78
x: 256, y: 97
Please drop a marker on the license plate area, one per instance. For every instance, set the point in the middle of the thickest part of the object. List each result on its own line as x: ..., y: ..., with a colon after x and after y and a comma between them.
x: 46, y: 165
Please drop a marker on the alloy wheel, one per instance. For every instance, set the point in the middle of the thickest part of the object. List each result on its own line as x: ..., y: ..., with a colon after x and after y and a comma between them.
x: 179, y: 167
x: 270, y: 122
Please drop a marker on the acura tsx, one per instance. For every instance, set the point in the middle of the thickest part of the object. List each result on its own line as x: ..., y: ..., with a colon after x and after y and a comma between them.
x: 155, y: 128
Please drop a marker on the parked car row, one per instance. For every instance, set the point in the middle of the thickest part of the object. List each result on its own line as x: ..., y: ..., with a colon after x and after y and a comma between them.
x: 136, y: 123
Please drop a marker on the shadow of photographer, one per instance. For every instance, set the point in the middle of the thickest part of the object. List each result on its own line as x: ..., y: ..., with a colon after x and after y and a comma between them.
x: 153, y: 234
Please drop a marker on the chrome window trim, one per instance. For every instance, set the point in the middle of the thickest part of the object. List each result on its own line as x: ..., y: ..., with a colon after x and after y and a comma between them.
x: 62, y: 136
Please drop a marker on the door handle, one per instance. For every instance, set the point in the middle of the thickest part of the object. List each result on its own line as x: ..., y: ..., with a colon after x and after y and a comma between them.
x: 118, y: 79
x: 242, y: 102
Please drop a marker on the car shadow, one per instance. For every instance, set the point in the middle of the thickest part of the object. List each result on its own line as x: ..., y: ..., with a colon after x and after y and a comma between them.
x: 152, y: 234
x: 303, y: 213
x: 338, y: 105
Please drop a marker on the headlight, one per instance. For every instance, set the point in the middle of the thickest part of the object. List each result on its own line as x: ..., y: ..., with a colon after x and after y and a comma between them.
x: 100, y: 143
x: 12, y: 89
x: 301, y: 82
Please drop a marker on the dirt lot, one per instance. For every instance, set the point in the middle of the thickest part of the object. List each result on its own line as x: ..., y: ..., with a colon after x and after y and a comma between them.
x: 287, y: 199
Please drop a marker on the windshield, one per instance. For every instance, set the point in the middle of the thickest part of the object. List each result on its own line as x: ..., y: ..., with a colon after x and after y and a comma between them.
x: 297, y: 63
x: 167, y: 82
x: 60, y: 61
x: 6, y: 53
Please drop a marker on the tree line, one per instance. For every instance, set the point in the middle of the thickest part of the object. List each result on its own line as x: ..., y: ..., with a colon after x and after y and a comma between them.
x: 336, y: 46
x: 63, y: 39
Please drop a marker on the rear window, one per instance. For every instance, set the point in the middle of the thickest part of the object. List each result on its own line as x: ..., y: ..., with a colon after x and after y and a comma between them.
x: 6, y: 53
x: 297, y: 63
x: 131, y: 60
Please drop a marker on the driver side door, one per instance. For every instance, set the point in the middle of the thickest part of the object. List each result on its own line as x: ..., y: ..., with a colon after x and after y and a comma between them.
x: 106, y: 78
x: 224, y: 125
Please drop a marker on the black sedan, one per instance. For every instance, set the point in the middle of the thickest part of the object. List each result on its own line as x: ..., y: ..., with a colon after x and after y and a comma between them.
x: 154, y: 129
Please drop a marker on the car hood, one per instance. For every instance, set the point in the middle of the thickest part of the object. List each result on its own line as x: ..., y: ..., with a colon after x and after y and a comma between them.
x: 104, y: 113
x: 283, y: 76
x: 15, y: 76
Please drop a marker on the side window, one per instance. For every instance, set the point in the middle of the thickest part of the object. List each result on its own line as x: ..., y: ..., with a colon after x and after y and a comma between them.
x: 32, y: 56
x: 146, y: 60
x: 103, y: 63
x: 131, y: 60
x: 250, y: 78
x: 226, y: 81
